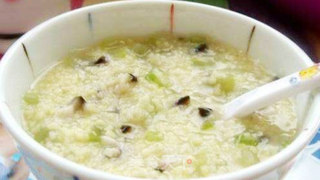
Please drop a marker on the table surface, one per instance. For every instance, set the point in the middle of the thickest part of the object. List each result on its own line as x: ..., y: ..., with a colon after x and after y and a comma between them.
x: 305, y: 36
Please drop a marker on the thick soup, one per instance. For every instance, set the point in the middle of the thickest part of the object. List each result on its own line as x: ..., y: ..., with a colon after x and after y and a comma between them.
x: 149, y: 107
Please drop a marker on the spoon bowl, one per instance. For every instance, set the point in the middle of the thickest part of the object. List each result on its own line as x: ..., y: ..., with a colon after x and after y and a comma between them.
x: 260, y: 97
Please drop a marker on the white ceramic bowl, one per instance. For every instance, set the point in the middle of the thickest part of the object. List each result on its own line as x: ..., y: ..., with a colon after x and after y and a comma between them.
x: 48, y: 42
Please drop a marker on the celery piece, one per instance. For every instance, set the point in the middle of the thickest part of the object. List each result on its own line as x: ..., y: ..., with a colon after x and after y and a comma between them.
x: 42, y: 134
x: 220, y: 57
x: 207, y: 125
x: 152, y: 40
x: 200, y: 62
x: 111, y: 43
x: 197, y: 39
x: 285, y: 143
x: 140, y: 49
x: 200, y: 161
x: 247, y: 158
x: 68, y: 62
x: 153, y: 61
x: 201, y: 157
x: 118, y: 53
x: 108, y: 42
x: 157, y: 39
x: 31, y: 98
x: 248, y: 139
x: 154, y: 77
x: 95, y: 135
x: 154, y: 136
x: 227, y: 84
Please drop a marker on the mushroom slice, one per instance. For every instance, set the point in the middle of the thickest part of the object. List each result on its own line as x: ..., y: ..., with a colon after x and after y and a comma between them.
x: 183, y: 101
x: 201, y: 48
x: 101, y: 60
x: 161, y: 167
x: 125, y: 129
x: 204, y: 112
x: 133, y: 79
x: 78, y: 103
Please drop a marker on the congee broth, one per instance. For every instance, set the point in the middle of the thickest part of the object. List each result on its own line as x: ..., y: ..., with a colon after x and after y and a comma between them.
x: 150, y: 106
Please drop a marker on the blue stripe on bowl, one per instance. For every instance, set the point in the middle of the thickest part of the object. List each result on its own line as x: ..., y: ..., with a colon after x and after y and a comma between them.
x: 316, y: 138
x: 317, y: 154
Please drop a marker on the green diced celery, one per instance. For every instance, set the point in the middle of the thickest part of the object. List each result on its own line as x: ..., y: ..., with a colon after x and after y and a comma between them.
x: 42, y: 134
x: 201, y: 62
x: 140, y: 49
x: 220, y: 57
x: 197, y: 39
x: 153, y: 61
x: 157, y: 39
x: 152, y: 40
x: 247, y: 158
x: 161, y: 42
x: 285, y: 143
x: 118, y: 53
x: 207, y: 125
x: 157, y: 77
x: 111, y: 43
x: 95, y: 135
x: 227, y: 84
x: 153, y: 136
x: 248, y: 139
x: 31, y: 98
x: 200, y: 161
x: 152, y: 77
x: 68, y: 62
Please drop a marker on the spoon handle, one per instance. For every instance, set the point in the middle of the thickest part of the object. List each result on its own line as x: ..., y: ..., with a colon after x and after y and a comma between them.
x: 267, y: 94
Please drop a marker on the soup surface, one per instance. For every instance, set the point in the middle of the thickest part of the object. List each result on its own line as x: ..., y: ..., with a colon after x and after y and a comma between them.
x: 149, y: 107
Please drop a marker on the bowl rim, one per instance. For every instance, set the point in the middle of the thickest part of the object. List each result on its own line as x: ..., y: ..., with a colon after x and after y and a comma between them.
x: 61, y: 163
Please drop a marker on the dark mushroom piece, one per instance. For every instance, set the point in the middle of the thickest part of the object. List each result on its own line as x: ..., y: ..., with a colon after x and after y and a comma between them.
x: 204, y: 112
x: 78, y: 103
x: 181, y: 38
x: 125, y: 129
x: 183, y: 101
x: 133, y: 78
x: 101, y: 60
x: 275, y: 78
x: 75, y: 105
x: 161, y: 167
x: 161, y: 170
x: 201, y: 48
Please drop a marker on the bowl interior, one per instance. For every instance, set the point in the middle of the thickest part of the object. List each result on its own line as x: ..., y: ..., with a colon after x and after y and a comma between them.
x: 47, y: 43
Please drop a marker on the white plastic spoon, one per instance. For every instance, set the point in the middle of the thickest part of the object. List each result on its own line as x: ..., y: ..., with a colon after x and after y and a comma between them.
x: 267, y: 94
